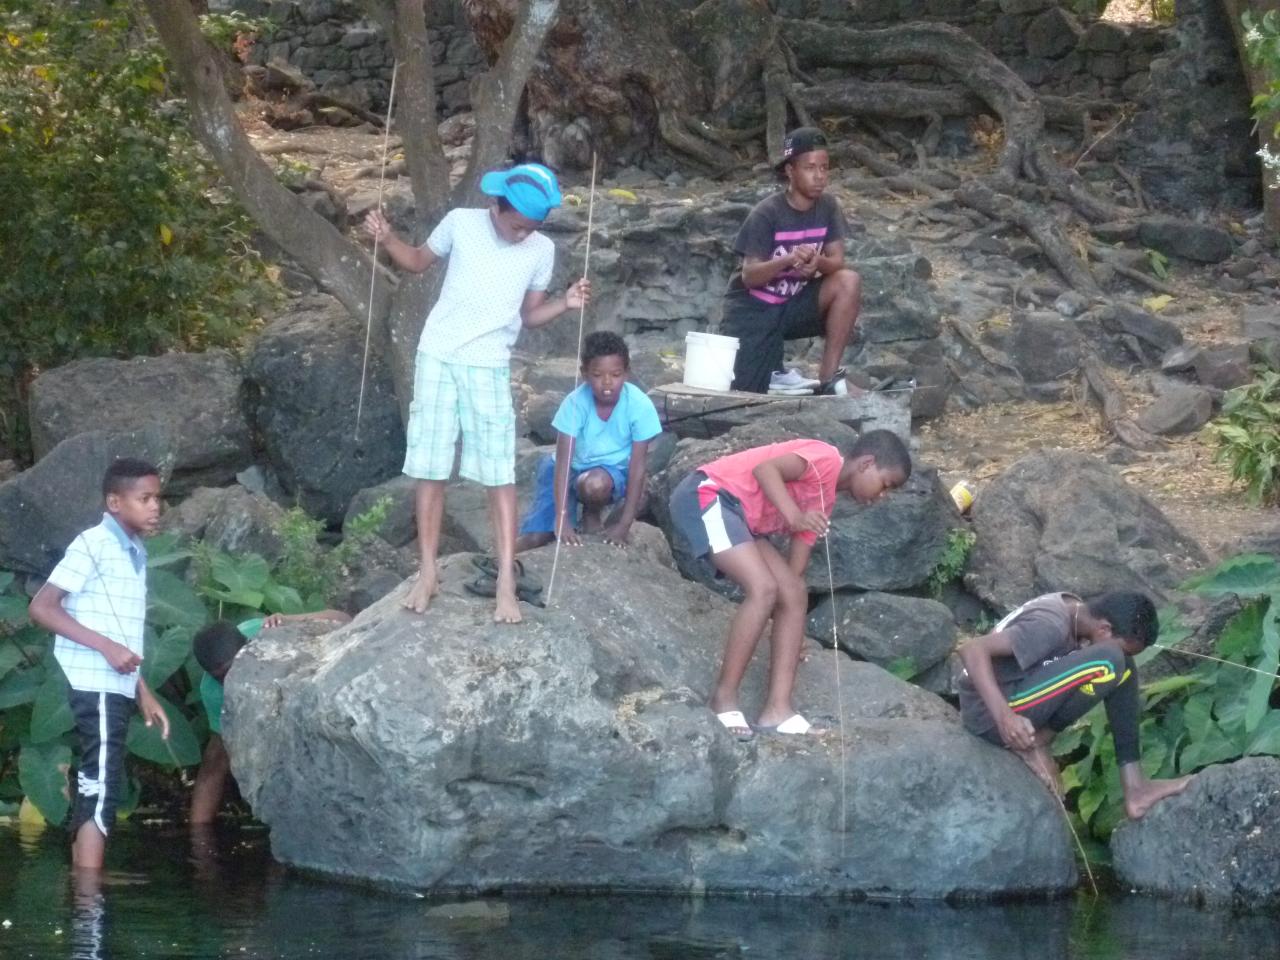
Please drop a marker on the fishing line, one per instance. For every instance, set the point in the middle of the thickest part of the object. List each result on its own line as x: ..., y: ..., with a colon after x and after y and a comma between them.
x: 1088, y: 870
x: 582, y: 313
x: 835, y: 654
x: 1204, y: 656
x: 373, y: 266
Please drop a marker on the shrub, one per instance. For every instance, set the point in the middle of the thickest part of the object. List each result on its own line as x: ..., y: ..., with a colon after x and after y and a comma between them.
x: 955, y: 557
x: 116, y: 242
x: 1248, y: 435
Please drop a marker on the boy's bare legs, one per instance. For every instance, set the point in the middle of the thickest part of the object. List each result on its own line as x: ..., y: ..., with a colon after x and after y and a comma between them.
x: 1040, y: 759
x: 787, y: 638
x: 429, y: 509
x: 502, y: 513
x: 89, y: 848
x: 211, y: 778
x: 1141, y: 794
x: 744, y: 565
x: 595, y: 492
x: 839, y: 300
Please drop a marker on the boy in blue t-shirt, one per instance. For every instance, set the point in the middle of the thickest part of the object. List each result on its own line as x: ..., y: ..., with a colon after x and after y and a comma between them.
x: 604, y: 431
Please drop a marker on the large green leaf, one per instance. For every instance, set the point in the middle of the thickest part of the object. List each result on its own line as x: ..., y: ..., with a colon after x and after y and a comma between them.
x: 1266, y: 739
x: 20, y: 686
x: 51, y: 715
x: 244, y: 574
x: 164, y: 551
x: 165, y: 655
x: 1250, y: 575
x: 13, y: 610
x: 43, y: 772
x: 170, y: 602
x: 1268, y: 659
x: 1213, y: 747
x: 278, y: 598
x: 251, y: 599
x: 1242, y: 636
x: 181, y: 749
x: 10, y: 655
x: 6, y: 578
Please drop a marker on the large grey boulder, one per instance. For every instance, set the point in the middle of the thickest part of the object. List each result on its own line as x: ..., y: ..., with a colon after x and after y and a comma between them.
x: 195, y: 397
x: 886, y: 628
x: 1061, y: 520
x: 305, y: 372
x: 1216, y: 842
x: 576, y: 751
x: 43, y: 508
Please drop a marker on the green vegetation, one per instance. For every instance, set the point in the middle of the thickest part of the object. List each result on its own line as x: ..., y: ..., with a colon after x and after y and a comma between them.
x: 1212, y: 713
x: 36, y: 730
x: 1248, y: 435
x: 955, y: 556
x: 118, y: 242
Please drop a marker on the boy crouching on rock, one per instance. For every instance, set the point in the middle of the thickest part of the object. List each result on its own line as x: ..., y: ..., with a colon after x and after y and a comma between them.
x: 728, y: 508
x: 603, y: 429
x: 1046, y: 665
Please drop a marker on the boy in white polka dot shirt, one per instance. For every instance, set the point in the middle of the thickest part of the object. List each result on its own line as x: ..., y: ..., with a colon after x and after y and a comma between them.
x: 495, y: 284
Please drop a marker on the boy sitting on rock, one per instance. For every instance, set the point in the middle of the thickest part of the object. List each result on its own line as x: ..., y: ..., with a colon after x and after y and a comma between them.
x: 1051, y: 661
x: 602, y: 446
x: 215, y: 647
x: 728, y: 508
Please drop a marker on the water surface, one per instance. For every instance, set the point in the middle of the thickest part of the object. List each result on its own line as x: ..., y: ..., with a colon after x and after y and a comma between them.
x: 168, y: 896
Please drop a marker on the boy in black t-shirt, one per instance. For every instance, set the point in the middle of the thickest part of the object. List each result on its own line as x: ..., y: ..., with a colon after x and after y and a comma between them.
x: 1046, y: 665
x: 793, y: 282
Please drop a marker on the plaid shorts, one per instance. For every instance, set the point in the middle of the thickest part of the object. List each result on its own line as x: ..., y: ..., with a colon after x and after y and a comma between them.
x: 452, y: 396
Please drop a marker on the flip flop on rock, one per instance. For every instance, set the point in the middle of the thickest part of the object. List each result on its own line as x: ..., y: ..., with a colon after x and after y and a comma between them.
x: 794, y: 725
x: 488, y: 566
x: 736, y: 724
x: 486, y: 586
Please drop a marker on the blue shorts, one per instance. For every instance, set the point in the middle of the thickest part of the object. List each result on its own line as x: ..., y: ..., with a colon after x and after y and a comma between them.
x: 541, y: 517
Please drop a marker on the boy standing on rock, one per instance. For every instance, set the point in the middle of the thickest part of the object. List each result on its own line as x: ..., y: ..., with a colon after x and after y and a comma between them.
x: 728, y: 508
x: 495, y: 284
x: 603, y: 431
x: 1051, y: 661
x: 793, y: 282
x: 95, y: 602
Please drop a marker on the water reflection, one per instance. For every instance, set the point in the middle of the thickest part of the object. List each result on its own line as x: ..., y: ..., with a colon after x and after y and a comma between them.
x: 218, y: 895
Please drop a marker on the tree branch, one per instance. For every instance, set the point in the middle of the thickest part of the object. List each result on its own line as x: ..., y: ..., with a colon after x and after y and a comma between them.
x: 336, y: 263
x: 498, y: 92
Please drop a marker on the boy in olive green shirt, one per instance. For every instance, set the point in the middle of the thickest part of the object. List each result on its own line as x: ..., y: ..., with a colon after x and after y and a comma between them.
x: 215, y: 647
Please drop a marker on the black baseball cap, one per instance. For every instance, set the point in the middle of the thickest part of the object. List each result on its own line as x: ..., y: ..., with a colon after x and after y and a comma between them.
x: 799, y: 141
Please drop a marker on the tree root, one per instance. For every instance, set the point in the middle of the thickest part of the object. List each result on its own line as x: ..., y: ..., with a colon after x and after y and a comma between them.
x: 1097, y: 385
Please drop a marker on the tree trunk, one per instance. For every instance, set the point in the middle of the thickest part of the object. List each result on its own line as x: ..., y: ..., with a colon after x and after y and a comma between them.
x: 1258, y: 80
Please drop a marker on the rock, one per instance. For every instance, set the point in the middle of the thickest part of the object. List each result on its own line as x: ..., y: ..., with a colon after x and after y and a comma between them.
x: 1023, y: 6
x: 194, y: 397
x: 885, y: 628
x: 1266, y: 353
x: 1186, y: 238
x: 1044, y: 347
x: 539, y: 413
x: 466, y: 526
x: 1104, y: 36
x: 400, y: 526
x: 1052, y: 33
x: 244, y: 522
x: 1154, y: 336
x: 1071, y: 304
x: 1060, y: 520
x: 1179, y: 359
x: 43, y: 508
x: 305, y: 369
x: 1216, y: 842
x: 892, y: 544
x: 375, y: 570
x: 1224, y: 366
x: 896, y: 301
x: 1177, y: 408
x: 562, y: 755
x: 190, y: 518
x: 1259, y: 322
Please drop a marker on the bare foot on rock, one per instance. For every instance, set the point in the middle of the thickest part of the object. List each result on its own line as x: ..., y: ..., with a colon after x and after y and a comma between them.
x: 506, y: 609
x: 418, y: 599
x: 1142, y: 797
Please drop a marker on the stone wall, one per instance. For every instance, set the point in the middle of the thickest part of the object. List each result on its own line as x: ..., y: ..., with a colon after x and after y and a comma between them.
x: 336, y: 45
x: 1050, y: 47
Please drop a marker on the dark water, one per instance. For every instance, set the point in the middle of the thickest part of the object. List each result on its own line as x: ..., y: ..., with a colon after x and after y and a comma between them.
x: 224, y: 898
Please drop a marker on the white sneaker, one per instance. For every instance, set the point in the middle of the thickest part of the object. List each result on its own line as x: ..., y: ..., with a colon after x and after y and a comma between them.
x: 790, y: 379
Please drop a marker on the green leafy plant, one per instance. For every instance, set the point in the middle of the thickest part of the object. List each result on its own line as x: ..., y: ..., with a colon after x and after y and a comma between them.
x: 125, y: 244
x: 230, y: 31
x: 1158, y: 262
x: 1262, y: 46
x: 1212, y: 713
x: 311, y: 569
x: 1248, y: 435
x: 955, y: 556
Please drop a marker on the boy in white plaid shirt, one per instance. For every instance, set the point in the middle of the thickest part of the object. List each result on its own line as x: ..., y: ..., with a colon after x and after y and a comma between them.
x: 95, y: 602
x: 495, y: 284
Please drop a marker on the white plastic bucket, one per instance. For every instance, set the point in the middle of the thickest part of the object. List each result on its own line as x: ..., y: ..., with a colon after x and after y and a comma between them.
x: 708, y: 360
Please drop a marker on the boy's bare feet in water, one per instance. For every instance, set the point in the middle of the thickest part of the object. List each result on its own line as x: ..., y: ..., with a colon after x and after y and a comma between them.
x: 418, y: 599
x: 1141, y: 794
